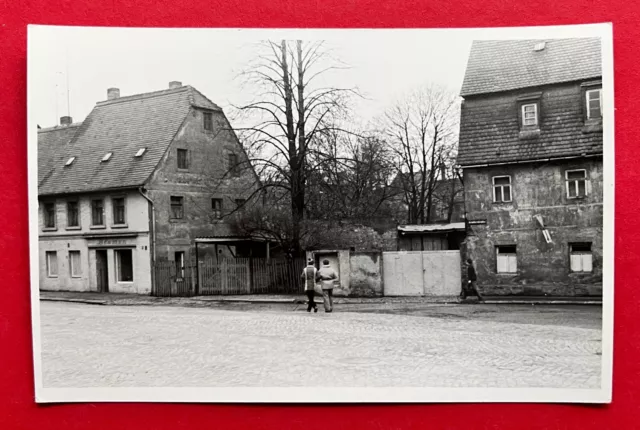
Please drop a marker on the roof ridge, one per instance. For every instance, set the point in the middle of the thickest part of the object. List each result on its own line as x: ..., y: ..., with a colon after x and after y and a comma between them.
x: 59, y: 127
x: 142, y: 96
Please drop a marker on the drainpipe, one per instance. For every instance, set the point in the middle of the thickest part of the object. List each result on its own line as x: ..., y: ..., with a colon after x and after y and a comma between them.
x: 152, y: 231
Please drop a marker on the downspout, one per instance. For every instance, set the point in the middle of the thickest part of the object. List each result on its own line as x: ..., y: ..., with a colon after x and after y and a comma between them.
x: 152, y: 231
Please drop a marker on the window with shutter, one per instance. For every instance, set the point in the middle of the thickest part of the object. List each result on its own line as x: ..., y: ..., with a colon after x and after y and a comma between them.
x: 506, y: 259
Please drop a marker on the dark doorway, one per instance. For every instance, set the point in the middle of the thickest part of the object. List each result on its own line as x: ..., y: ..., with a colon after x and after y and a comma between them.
x: 102, y: 270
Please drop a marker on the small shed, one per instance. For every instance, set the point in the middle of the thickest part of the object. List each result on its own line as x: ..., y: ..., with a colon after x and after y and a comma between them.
x: 431, y: 237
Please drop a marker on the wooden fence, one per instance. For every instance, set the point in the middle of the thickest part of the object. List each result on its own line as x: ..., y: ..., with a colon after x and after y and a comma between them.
x: 229, y: 277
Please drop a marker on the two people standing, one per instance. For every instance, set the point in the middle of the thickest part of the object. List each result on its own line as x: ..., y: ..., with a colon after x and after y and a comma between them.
x: 327, y: 277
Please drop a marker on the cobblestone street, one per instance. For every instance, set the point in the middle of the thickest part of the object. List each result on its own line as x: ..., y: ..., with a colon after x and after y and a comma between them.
x: 429, y: 346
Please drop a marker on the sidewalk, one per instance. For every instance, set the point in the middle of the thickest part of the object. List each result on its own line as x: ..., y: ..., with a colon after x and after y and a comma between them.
x: 139, y: 300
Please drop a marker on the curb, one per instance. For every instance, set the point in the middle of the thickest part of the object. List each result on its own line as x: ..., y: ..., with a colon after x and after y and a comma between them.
x: 302, y: 302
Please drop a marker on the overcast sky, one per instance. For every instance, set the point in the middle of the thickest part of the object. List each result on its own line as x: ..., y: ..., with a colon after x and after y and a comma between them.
x: 71, y: 67
x: 83, y: 63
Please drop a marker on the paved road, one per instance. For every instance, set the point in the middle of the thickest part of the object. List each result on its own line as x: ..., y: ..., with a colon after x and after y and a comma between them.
x: 433, y: 346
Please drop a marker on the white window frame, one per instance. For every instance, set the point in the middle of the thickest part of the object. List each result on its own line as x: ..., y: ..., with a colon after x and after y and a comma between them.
x: 75, y: 272
x: 48, y: 255
x: 512, y: 260
x: 495, y: 200
x: 535, y: 114
x: 581, y: 258
x: 586, y: 95
x: 117, y: 253
x: 574, y: 181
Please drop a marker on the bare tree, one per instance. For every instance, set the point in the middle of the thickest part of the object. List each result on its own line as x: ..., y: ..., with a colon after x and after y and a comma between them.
x: 292, y: 110
x: 422, y: 130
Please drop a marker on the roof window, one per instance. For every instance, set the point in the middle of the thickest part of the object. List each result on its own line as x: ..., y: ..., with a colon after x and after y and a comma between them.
x: 70, y: 161
x: 540, y: 46
x: 140, y: 152
x: 107, y: 157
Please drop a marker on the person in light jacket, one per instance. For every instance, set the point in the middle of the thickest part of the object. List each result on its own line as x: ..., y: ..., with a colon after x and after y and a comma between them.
x: 310, y: 276
x: 327, y: 276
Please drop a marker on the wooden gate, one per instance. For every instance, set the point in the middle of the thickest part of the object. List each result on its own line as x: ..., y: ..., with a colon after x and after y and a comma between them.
x: 422, y: 273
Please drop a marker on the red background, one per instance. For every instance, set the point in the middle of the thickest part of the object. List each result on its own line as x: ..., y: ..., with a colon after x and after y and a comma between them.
x: 17, y: 407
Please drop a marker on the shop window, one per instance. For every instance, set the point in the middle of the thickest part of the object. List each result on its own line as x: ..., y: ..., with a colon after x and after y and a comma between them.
x: 124, y: 265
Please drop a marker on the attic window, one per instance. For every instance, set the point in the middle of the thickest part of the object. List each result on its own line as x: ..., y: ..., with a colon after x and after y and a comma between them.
x: 70, y: 161
x: 140, y: 152
x: 540, y: 46
x: 107, y: 157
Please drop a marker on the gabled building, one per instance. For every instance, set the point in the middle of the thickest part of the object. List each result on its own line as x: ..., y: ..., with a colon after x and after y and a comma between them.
x: 531, y: 148
x: 137, y: 181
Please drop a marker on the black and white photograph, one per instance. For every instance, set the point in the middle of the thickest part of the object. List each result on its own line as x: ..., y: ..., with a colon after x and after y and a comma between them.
x: 313, y: 216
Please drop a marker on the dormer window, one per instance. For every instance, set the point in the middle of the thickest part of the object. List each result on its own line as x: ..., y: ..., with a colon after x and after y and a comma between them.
x: 530, y: 114
x: 107, y: 157
x: 70, y: 161
x: 540, y: 46
x: 140, y: 152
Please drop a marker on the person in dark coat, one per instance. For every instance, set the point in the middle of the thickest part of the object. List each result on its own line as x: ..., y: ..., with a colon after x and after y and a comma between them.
x: 471, y: 288
x: 310, y: 276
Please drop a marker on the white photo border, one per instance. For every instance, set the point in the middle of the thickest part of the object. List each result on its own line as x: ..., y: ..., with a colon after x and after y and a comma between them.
x: 37, y: 43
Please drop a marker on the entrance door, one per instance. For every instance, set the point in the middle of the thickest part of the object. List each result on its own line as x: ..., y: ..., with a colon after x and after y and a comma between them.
x: 102, y: 271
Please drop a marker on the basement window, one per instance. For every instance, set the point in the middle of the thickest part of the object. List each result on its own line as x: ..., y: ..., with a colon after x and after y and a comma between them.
x: 140, y: 152
x: 107, y: 157
x: 70, y: 161
x: 506, y: 259
x: 581, y: 257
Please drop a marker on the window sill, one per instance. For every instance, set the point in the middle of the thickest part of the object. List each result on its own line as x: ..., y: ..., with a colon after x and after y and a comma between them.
x: 181, y: 170
x: 177, y: 220
x: 52, y: 276
x: 97, y: 227
x: 73, y: 228
x: 76, y: 277
x: 50, y: 229
x: 125, y: 282
x: 119, y: 226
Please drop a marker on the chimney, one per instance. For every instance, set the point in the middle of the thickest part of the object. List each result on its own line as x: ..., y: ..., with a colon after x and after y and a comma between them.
x: 175, y: 84
x: 113, y: 93
x: 66, y: 120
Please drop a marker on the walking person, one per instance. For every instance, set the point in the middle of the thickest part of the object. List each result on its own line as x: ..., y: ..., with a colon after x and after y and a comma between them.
x: 310, y: 276
x: 327, y: 276
x: 471, y: 288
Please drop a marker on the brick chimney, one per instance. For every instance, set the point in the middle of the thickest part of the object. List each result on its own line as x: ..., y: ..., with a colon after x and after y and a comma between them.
x: 66, y: 120
x: 174, y: 84
x: 113, y: 93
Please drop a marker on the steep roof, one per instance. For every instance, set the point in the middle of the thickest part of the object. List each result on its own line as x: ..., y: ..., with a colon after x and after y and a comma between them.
x: 121, y: 126
x: 50, y: 142
x: 504, y: 65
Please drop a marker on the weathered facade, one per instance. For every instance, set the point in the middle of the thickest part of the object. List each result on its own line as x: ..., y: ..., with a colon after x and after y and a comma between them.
x: 531, y: 152
x: 137, y: 181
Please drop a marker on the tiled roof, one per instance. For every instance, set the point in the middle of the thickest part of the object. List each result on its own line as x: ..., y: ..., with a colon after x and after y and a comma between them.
x: 121, y: 126
x: 503, y: 65
x: 50, y: 143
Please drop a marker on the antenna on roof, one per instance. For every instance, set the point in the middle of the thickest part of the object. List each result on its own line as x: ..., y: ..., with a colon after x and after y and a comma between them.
x: 68, y: 102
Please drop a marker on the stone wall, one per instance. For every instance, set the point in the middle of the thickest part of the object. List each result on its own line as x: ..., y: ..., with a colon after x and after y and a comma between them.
x: 365, y: 274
